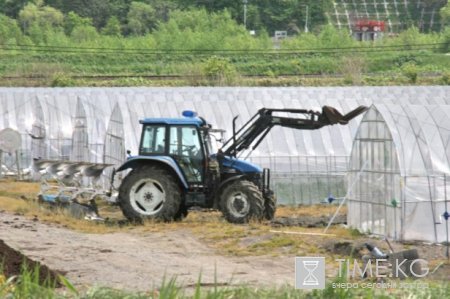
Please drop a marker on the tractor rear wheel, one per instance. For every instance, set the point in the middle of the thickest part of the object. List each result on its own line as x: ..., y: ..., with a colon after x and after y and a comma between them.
x: 242, y: 201
x: 149, y: 192
x: 270, y: 207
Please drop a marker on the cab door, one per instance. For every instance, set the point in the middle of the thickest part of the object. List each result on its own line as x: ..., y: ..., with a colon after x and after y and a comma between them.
x: 186, y: 148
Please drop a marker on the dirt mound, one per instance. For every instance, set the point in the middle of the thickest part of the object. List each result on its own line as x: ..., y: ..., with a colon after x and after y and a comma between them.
x: 308, y: 221
x: 12, y: 262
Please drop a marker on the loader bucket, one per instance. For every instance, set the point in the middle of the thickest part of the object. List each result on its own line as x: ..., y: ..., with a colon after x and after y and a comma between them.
x: 331, y: 116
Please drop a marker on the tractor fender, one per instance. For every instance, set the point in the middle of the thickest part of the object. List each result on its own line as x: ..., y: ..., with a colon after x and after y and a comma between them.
x: 137, y: 161
x: 227, y: 181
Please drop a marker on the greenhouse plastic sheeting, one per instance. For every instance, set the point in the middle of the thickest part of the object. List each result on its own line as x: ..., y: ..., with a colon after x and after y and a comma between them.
x: 399, y: 172
x: 112, y: 116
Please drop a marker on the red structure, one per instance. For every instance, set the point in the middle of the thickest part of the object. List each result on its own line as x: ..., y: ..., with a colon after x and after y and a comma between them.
x: 364, y: 30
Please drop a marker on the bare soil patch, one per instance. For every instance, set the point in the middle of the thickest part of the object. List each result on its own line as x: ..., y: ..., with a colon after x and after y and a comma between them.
x: 13, y: 263
x: 137, y: 261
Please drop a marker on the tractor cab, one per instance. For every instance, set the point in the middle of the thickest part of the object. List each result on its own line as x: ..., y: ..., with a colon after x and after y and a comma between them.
x: 185, y: 140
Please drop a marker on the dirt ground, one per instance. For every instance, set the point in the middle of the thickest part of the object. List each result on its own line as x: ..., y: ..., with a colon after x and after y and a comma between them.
x: 136, y: 261
x: 202, y: 246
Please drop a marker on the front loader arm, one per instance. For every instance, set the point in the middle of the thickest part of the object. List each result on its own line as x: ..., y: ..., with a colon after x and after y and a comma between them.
x: 260, y: 124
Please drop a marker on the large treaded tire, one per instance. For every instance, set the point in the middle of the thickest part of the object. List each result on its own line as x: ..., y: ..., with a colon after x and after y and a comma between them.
x: 231, y: 200
x: 165, y: 185
x: 182, y: 213
x: 270, y: 207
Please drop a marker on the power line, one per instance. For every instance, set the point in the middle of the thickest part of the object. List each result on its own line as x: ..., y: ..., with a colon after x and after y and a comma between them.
x: 40, y: 48
x: 404, y: 48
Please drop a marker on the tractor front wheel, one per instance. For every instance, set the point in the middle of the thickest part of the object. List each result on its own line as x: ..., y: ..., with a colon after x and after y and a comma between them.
x: 270, y: 207
x: 242, y: 201
x: 149, y: 192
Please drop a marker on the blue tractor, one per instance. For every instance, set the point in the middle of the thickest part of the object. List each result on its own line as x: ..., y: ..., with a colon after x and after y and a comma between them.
x: 177, y: 169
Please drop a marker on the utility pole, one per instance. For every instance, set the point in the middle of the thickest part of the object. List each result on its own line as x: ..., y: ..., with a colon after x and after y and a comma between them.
x: 306, y: 19
x: 245, y: 13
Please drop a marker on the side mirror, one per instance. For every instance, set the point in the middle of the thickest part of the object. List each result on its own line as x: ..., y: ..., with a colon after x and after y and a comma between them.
x: 128, y: 153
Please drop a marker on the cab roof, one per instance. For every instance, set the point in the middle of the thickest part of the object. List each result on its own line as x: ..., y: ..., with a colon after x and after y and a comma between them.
x: 173, y: 121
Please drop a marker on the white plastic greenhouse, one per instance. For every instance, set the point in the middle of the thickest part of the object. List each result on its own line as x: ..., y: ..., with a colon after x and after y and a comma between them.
x: 399, y: 175
x: 99, y: 124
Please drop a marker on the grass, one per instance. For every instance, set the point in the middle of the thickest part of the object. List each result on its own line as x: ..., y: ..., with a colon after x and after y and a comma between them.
x: 210, y: 227
x: 61, y: 79
x: 26, y: 285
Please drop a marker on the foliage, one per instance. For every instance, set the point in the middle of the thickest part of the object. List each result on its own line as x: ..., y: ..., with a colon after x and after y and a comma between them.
x: 329, y: 37
x: 112, y: 27
x: 263, y: 15
x: 11, y: 8
x: 39, y: 15
x: 73, y: 20
x: 62, y: 80
x: 197, y: 29
x: 84, y: 33
x: 141, y: 18
x: 353, y: 68
x: 219, y: 70
x: 445, y: 14
x: 446, y: 78
x: 99, y: 11
x: 9, y: 31
x: 409, y: 70
x: 445, y: 41
x: 173, y: 38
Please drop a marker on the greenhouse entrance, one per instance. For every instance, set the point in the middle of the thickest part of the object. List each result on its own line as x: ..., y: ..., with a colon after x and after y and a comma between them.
x: 398, y: 172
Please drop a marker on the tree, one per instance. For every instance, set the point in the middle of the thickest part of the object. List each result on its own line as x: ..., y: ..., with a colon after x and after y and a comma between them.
x: 11, y: 8
x: 73, y: 20
x: 99, y: 11
x: 112, y: 27
x: 9, y: 30
x: 141, y: 18
x: 84, y: 33
x: 39, y: 15
x: 445, y: 14
x: 198, y: 29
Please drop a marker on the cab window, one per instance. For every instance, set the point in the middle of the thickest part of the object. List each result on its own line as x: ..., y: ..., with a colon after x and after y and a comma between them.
x: 153, y: 140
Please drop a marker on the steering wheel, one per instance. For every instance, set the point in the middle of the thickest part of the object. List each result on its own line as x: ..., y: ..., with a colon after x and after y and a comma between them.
x: 190, y: 149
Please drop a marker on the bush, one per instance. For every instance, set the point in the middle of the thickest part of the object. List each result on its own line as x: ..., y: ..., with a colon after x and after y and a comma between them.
x: 352, y: 68
x: 409, y: 70
x: 62, y: 80
x: 219, y: 70
x: 446, y: 78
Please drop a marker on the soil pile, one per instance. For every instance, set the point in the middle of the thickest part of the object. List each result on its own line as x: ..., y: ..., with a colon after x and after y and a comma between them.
x: 308, y: 221
x: 12, y: 261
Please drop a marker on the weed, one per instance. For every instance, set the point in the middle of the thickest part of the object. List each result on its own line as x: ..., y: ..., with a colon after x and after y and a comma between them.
x: 410, y: 71
x: 446, y: 78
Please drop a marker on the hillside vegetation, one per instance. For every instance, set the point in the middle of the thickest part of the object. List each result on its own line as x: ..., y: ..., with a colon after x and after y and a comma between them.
x: 167, y: 43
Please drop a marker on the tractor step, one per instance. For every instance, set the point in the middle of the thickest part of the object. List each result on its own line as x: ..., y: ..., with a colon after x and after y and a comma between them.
x: 195, y: 199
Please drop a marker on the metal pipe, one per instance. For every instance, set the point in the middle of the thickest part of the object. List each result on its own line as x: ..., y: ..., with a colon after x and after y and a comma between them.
x: 245, y: 13
x: 446, y: 212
